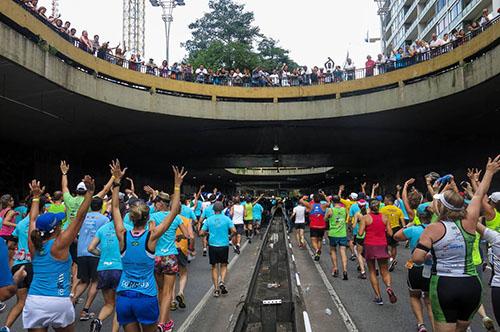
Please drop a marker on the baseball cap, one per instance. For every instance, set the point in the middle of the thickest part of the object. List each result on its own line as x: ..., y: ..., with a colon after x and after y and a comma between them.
x: 495, y: 197
x: 380, y: 198
x: 361, y: 202
x: 218, y: 207
x: 361, y: 195
x: 48, y: 221
x: 422, y: 208
x: 81, y: 187
x: 353, y: 196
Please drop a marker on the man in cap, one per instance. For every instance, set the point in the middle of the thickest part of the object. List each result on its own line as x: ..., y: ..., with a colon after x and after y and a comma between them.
x: 492, y: 211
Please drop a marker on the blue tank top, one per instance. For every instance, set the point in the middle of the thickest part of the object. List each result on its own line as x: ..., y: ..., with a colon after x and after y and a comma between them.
x: 138, y: 266
x: 51, y: 277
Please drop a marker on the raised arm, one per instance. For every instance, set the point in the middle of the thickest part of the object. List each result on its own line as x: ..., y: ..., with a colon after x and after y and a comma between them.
x: 118, y: 174
x: 398, y: 192
x: 197, y: 196
x: 132, y: 186
x: 67, y: 237
x: 167, y: 221
x: 428, y: 183
x: 106, y: 188
x: 406, y: 201
x: 305, y: 203
x: 474, y: 208
x: 363, y: 188
x: 64, y: 176
x: 36, y: 193
x: 258, y: 199
x: 341, y: 190
x: 374, y: 188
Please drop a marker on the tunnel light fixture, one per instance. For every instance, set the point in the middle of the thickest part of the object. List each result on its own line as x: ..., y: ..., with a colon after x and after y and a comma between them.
x: 276, y: 147
x: 276, y: 160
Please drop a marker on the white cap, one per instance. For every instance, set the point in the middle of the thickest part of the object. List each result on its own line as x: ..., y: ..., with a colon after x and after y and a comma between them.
x: 81, y: 187
x: 495, y: 197
x: 353, y: 196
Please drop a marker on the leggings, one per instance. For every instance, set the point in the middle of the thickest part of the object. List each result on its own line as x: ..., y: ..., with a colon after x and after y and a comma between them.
x: 495, y: 299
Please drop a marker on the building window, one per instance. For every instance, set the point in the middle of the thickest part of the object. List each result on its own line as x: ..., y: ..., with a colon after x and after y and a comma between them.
x: 455, y: 10
x: 442, y: 25
x: 440, y: 5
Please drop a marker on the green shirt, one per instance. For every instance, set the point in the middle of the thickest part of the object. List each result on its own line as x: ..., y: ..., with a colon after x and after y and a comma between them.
x: 72, y: 204
x: 338, y: 222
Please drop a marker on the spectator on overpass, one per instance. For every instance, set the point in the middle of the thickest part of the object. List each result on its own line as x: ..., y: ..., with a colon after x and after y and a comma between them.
x: 350, y: 69
x: 369, y: 66
x: 85, y: 42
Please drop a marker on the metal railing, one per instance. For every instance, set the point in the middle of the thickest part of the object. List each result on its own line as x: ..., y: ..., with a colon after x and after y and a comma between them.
x: 258, y: 79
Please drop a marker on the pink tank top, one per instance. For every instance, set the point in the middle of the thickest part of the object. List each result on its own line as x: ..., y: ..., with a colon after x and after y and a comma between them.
x: 7, y: 230
x: 375, y: 232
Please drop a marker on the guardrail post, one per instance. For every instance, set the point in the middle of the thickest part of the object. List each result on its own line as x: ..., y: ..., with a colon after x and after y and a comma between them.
x: 214, y: 99
x: 401, y: 84
x: 337, y: 95
x: 275, y: 100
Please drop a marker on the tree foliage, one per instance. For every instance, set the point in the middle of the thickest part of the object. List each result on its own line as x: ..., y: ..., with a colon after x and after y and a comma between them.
x: 226, y: 37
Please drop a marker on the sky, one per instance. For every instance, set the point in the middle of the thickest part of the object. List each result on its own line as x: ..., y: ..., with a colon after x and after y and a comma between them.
x: 312, y: 30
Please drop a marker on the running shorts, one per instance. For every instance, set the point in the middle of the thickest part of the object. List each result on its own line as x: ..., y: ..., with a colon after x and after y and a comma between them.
x: 248, y: 222
x: 29, y: 275
x: 134, y: 307
x: 166, y: 265
x: 218, y: 255
x: 416, y: 282
x: 495, y: 301
x: 390, y: 239
x: 87, y: 268
x: 359, y: 241
x: 182, y: 259
x: 338, y: 241
x: 240, y: 229
x: 108, y: 279
x: 316, y: 232
x: 375, y: 252
x: 47, y: 311
x: 300, y: 225
x: 455, y: 298
x: 257, y: 221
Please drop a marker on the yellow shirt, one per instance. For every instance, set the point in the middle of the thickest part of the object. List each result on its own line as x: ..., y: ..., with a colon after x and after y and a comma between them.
x: 393, y: 214
x: 182, y: 245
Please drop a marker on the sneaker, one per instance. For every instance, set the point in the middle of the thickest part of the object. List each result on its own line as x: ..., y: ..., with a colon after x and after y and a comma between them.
x: 216, y: 293
x: 237, y: 250
x: 392, y: 265
x: 362, y: 275
x: 181, y: 300
x: 421, y: 328
x: 223, y: 289
x: 85, y: 315
x: 204, y: 252
x: 345, y: 276
x: 190, y: 257
x: 4, y: 329
x: 249, y: 240
x: 378, y: 300
x: 95, y: 325
x: 323, y: 241
x: 335, y: 273
x: 316, y: 257
x: 392, y: 296
x: 173, y: 306
x: 166, y: 327
x: 2, y: 306
x: 488, y: 323
x: 352, y: 258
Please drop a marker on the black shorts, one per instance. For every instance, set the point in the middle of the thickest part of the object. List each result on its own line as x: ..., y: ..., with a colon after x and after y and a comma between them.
x: 218, y: 255
x: 182, y: 260
x: 87, y: 268
x: 248, y: 222
x: 359, y: 241
x: 29, y: 275
x: 495, y: 301
x: 316, y: 232
x: 390, y: 239
x: 455, y: 298
x: 415, y: 280
x: 73, y: 249
x: 300, y: 225
x: 240, y: 229
x: 108, y: 279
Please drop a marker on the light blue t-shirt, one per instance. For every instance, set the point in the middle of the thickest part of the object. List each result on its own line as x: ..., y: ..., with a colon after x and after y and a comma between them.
x: 218, y: 227
x: 5, y: 275
x: 400, y: 204
x: 93, y: 221
x: 22, y: 211
x: 197, y: 209
x: 413, y: 234
x: 354, y: 209
x: 110, y: 248
x: 22, y: 255
x: 166, y: 243
x: 257, y: 211
x: 186, y: 212
x: 208, y: 212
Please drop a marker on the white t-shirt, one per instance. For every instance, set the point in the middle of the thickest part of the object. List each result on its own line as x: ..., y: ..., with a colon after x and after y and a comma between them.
x: 436, y: 43
x: 204, y: 205
x: 238, y: 212
x: 300, y: 214
x: 201, y: 71
x: 493, y: 239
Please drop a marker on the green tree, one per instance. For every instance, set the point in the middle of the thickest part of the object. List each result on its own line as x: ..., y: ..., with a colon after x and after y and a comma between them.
x: 226, y: 37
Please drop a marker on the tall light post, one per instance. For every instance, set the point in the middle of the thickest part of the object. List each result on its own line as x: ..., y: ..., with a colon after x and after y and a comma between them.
x: 167, y: 7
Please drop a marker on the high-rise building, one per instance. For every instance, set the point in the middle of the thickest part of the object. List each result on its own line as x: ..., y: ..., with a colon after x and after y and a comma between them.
x: 404, y: 21
x: 134, y: 18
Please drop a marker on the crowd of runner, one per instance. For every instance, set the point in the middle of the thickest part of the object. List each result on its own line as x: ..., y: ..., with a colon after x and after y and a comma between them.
x: 56, y: 247
x: 283, y: 75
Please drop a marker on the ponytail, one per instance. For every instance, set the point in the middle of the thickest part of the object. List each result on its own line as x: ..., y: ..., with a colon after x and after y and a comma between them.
x: 363, y: 210
x: 37, y: 237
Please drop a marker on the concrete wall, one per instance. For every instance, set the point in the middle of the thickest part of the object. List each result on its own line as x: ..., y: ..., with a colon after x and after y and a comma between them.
x: 22, y: 51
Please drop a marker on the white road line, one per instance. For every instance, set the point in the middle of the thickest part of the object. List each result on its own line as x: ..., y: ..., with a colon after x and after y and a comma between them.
x: 293, y: 258
x: 196, y: 311
x: 349, y: 323
x: 307, y: 322
x: 290, y: 245
x: 297, y: 278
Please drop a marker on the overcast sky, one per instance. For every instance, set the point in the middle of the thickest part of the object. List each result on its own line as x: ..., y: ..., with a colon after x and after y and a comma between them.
x: 312, y: 30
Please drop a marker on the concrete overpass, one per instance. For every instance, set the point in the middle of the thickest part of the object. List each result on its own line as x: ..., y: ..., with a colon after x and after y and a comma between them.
x: 59, y: 101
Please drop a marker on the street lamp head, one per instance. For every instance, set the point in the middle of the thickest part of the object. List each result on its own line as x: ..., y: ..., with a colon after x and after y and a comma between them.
x: 155, y: 3
x: 180, y: 2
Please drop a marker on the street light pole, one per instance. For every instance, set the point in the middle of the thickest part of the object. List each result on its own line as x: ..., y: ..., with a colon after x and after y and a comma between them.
x: 168, y: 8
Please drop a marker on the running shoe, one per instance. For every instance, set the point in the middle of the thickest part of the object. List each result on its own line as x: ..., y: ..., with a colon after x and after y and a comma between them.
x: 181, y: 300
x: 324, y: 242
x: 2, y: 306
x: 85, y: 315
x: 216, y: 293
x: 237, y: 250
x: 362, y: 275
x: 166, y: 327
x: 352, y: 258
x: 335, y: 273
x: 204, y: 252
x: 378, y: 300
x: 4, y: 329
x: 345, y: 276
x: 249, y: 240
x: 95, y: 325
x: 173, y: 306
x: 316, y: 257
x: 392, y: 296
x: 223, y: 289
x: 488, y: 323
x: 393, y: 264
x: 421, y: 328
